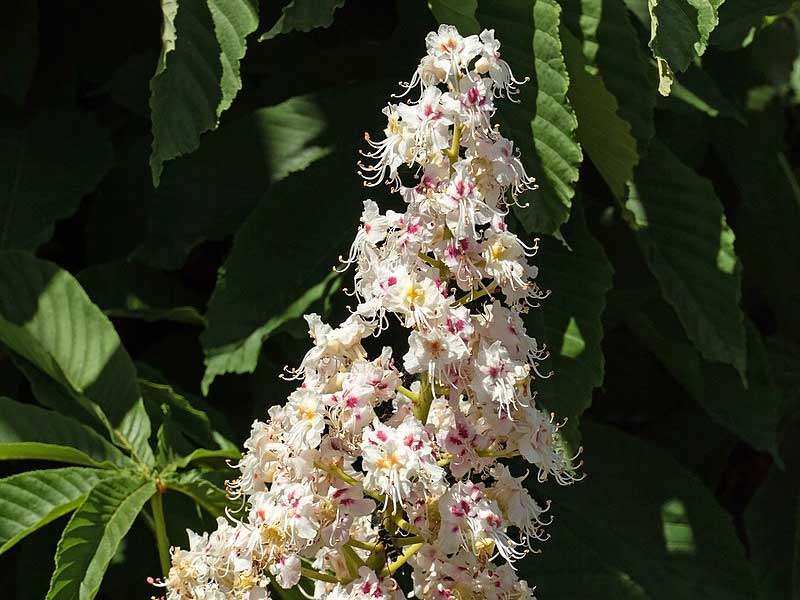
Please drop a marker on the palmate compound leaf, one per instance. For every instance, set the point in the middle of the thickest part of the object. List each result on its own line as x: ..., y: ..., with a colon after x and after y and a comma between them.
x: 31, y: 500
x: 569, y: 321
x: 611, y: 47
x: 639, y: 527
x: 282, y: 257
x: 303, y: 15
x: 681, y: 229
x: 605, y: 136
x: 542, y: 125
x: 197, y: 76
x: 679, y: 32
x: 70, y: 148
x: 93, y: 534
x: 47, y: 318
x: 31, y: 432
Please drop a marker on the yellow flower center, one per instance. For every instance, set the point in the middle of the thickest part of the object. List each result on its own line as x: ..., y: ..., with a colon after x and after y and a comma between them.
x: 414, y: 295
x: 498, y: 251
x: 388, y: 462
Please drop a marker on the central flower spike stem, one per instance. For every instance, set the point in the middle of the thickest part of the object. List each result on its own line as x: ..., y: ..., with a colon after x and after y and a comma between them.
x: 423, y: 404
x: 157, y: 506
x: 452, y: 153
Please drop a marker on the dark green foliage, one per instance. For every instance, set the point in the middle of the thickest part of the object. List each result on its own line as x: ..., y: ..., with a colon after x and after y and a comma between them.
x: 177, y: 180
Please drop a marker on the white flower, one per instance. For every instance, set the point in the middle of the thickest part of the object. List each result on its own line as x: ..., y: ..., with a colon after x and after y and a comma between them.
x: 501, y: 377
x: 473, y: 521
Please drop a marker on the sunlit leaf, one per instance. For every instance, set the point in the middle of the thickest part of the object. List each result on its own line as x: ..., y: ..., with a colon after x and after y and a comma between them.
x: 46, y: 317
x: 93, y: 534
x: 31, y: 500
x: 30, y: 432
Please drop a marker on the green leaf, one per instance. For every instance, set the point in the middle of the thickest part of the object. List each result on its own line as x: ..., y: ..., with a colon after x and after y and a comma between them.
x: 612, y: 47
x: 19, y: 38
x: 697, y: 90
x: 772, y: 525
x: 739, y: 19
x: 206, y: 455
x: 197, y: 80
x: 633, y: 524
x: 47, y: 318
x: 605, y: 136
x: 31, y: 500
x: 187, y: 411
x: 532, y: 47
x: 267, y: 280
x: 751, y: 413
x: 680, y: 30
x: 303, y: 15
x: 46, y: 166
x: 751, y: 156
x: 93, y: 534
x: 131, y: 290
x: 460, y: 13
x: 195, y: 484
x: 30, y: 432
x: 688, y: 246
x: 568, y: 322
x: 267, y: 145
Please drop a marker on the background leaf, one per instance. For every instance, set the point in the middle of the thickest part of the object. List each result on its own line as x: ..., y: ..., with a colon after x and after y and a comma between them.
x: 689, y: 248
x: 201, y: 77
x: 612, y: 47
x: 568, y: 322
x: 303, y: 15
x: 68, y: 146
x: 459, y: 13
x: 19, y: 37
x: 636, y: 520
x: 245, y: 309
x: 605, y: 137
x: 238, y: 162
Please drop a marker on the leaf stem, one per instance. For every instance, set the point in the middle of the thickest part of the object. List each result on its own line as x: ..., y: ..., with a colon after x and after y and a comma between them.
x: 470, y: 296
x: 337, y: 472
x: 312, y: 574
x: 162, y: 541
x: 363, y: 545
x: 392, y: 567
x: 407, y: 541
